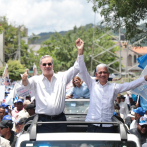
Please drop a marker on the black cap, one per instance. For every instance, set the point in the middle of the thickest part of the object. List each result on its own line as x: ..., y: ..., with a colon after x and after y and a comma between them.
x: 6, y: 124
x: 31, y: 106
x: 22, y: 121
x: 28, y: 96
x: 122, y: 97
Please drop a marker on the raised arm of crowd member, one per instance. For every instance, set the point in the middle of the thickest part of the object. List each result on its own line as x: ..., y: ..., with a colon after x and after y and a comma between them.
x: 102, y: 93
x: 50, y: 89
x: 113, y: 79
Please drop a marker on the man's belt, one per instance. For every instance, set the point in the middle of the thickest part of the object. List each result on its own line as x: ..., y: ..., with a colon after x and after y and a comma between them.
x: 52, y: 117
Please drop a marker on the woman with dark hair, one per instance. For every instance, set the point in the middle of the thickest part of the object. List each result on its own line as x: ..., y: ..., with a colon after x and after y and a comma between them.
x: 79, y: 90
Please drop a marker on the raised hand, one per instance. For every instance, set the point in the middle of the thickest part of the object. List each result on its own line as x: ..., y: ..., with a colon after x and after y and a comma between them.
x: 25, y: 75
x: 80, y: 46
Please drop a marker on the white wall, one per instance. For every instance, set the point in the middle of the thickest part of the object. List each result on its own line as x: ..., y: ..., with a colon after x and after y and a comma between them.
x: 1, y: 49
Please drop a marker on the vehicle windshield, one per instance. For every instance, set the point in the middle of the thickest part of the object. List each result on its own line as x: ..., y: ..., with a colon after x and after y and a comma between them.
x: 76, y: 106
x: 78, y: 144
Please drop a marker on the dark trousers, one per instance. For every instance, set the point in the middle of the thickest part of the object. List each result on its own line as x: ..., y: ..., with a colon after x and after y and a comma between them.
x: 93, y: 128
x: 46, y: 128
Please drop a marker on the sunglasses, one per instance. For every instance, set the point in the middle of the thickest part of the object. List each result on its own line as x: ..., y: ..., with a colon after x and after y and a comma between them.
x: 76, y: 80
x: 2, y: 127
x: 49, y: 64
x: 144, y: 126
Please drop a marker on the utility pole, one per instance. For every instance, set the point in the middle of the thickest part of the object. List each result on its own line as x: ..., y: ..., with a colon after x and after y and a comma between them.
x: 119, y: 51
x: 19, y: 53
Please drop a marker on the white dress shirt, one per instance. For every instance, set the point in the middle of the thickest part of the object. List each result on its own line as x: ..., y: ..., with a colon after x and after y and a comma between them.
x: 127, y: 99
x: 133, y: 124
x: 124, y: 111
x: 102, y: 97
x: 50, y: 96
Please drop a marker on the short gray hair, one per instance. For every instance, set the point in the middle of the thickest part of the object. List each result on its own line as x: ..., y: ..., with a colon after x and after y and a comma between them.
x: 102, y: 65
x: 45, y: 56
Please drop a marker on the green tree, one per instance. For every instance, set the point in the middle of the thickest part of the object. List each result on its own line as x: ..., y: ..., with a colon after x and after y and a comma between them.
x: 14, y: 69
x: 11, y: 41
x: 124, y: 13
x: 64, y: 51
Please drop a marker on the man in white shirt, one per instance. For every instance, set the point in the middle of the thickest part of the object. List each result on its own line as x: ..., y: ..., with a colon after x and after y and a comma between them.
x: 49, y: 89
x: 127, y: 100
x: 138, y: 113
x: 102, y: 94
x: 124, y: 111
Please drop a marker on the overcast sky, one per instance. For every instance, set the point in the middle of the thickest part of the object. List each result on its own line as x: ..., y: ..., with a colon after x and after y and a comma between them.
x: 48, y: 15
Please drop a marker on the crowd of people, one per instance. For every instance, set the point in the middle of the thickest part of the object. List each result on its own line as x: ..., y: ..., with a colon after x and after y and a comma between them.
x: 50, y: 92
x: 13, y: 120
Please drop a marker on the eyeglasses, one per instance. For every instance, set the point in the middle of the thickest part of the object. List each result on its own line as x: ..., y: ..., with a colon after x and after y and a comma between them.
x: 144, y: 126
x: 49, y: 64
x: 104, y: 72
x: 2, y: 127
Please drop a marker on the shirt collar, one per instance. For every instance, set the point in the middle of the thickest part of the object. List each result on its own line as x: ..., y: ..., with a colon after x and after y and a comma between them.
x: 103, y: 85
x: 54, y: 75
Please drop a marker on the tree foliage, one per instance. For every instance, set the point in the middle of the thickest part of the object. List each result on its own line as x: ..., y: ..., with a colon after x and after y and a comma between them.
x: 124, y: 13
x: 11, y: 42
x: 14, y: 69
x: 64, y: 51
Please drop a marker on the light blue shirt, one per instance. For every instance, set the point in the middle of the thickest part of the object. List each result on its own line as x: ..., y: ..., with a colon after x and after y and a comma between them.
x: 83, y: 91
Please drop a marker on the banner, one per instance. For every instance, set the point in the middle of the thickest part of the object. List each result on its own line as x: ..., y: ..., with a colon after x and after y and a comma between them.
x: 5, y: 77
x: 2, y: 92
x: 142, y: 61
x: 22, y: 92
x: 142, y: 89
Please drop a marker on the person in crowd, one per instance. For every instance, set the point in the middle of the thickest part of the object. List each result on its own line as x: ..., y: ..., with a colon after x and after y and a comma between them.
x: 80, y: 89
x: 127, y: 98
x: 23, y: 112
x: 15, y: 103
x: 132, y: 102
x: 141, y: 130
x: 28, y: 97
x: 4, y: 142
x: 22, y: 98
x: 17, y: 129
x: 117, y: 108
x: 7, y: 117
x: 7, y: 133
x: 130, y: 118
x: 102, y: 93
x: 5, y: 105
x: 2, y: 112
x: 117, y: 101
x: 49, y: 91
x: 124, y: 111
x: 139, y: 112
x: 6, y: 111
x: 18, y: 108
x: 31, y: 109
x: 20, y: 124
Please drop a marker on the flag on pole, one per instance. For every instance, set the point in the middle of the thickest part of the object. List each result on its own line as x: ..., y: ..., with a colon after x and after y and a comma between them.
x: 34, y: 70
x: 142, y: 89
x: 5, y: 77
x: 142, y: 61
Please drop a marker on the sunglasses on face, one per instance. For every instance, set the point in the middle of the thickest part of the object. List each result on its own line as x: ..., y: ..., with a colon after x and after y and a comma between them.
x: 104, y: 72
x: 76, y: 80
x: 2, y: 127
x: 144, y: 126
x: 49, y: 64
